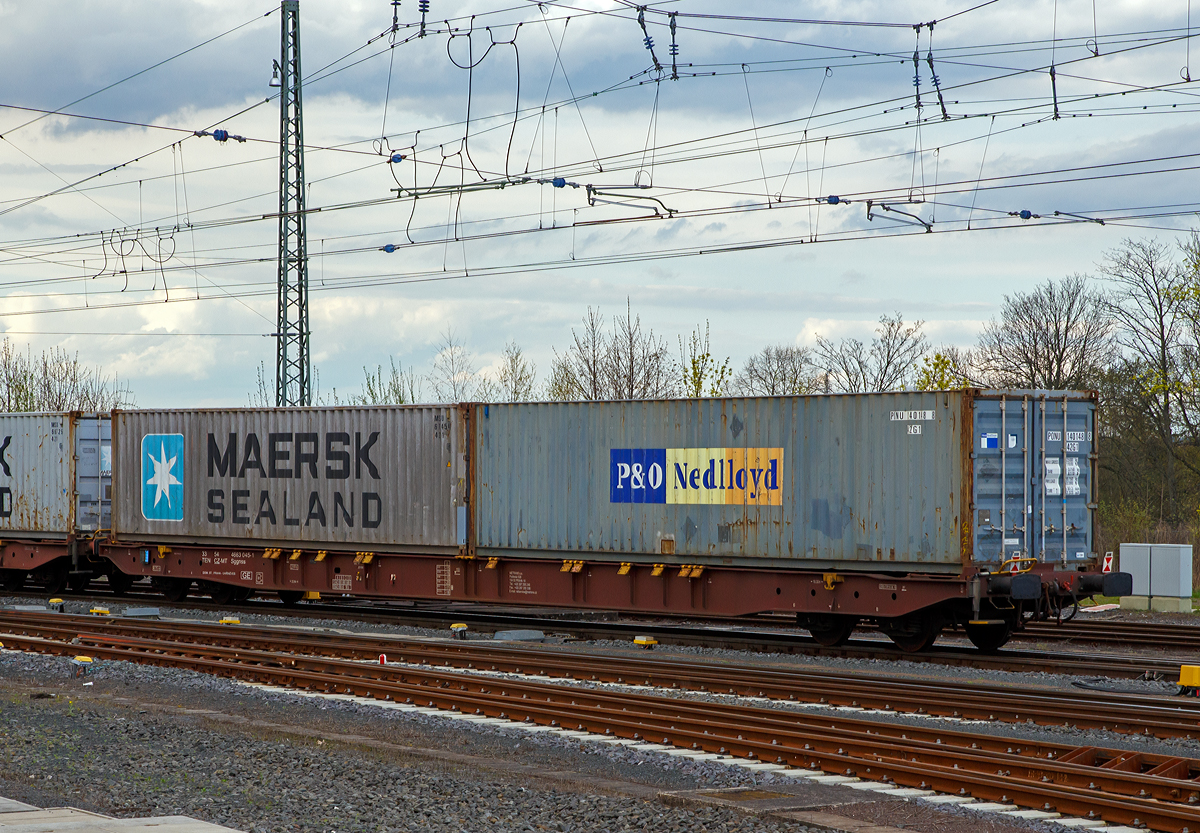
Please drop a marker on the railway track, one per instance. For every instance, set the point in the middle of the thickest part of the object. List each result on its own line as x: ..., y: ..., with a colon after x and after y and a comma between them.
x: 1127, y: 712
x: 1161, y: 792
x: 753, y: 635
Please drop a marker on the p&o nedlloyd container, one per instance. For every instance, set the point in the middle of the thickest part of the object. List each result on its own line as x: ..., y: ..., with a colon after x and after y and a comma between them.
x: 905, y: 482
x: 367, y: 478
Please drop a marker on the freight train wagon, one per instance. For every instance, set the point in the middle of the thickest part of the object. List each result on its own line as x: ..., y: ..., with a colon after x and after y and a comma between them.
x: 55, y: 495
x: 913, y: 510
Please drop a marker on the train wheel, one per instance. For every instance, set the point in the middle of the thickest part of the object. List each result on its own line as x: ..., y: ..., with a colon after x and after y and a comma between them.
x: 240, y: 594
x: 912, y: 633
x: 119, y: 582
x: 54, y: 577
x: 175, y: 589
x: 991, y: 637
x: 13, y: 580
x: 290, y: 597
x: 832, y: 631
x: 79, y: 583
x: 222, y: 594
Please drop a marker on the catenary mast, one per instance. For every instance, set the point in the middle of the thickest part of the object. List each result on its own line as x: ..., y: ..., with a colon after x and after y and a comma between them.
x: 293, y: 382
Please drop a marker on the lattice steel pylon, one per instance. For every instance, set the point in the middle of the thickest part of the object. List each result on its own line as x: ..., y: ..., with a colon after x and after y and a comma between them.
x: 293, y: 380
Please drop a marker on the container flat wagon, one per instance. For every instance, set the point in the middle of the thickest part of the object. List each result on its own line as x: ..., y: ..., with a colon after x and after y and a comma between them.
x: 55, y: 498
x: 910, y: 509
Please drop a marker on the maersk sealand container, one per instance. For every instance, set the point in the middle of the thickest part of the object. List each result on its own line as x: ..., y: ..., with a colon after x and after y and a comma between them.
x: 890, y: 482
x: 387, y: 478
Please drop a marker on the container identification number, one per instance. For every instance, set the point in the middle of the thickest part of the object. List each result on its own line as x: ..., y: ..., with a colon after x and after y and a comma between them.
x: 912, y: 416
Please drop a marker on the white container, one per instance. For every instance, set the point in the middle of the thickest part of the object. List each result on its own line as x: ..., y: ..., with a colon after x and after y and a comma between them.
x: 54, y: 478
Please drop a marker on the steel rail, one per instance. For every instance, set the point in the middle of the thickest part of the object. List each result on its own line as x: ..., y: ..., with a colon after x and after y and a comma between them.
x: 1132, y: 713
x: 1083, y: 781
x: 791, y: 641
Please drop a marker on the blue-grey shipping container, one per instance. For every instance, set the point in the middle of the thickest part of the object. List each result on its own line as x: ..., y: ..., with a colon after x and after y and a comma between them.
x: 906, y: 481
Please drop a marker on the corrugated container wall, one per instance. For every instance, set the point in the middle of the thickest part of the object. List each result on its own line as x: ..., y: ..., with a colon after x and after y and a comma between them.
x: 375, y: 478
x: 870, y: 480
x: 36, y: 494
x: 1038, y: 450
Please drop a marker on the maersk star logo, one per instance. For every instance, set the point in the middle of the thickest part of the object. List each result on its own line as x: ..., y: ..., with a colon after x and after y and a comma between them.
x: 162, y: 477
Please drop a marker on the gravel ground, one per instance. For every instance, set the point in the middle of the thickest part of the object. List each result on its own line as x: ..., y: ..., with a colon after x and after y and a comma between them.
x: 130, y: 758
x: 82, y: 749
x: 883, y: 667
x: 132, y: 744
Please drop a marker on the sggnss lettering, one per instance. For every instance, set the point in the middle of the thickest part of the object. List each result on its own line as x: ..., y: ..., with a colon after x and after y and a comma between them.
x: 697, y: 475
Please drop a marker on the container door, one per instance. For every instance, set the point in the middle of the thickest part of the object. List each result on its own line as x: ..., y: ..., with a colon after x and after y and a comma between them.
x: 1001, y: 469
x: 93, y: 473
x: 1064, y: 475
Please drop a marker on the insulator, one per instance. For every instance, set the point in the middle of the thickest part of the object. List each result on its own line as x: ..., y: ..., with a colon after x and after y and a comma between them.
x: 558, y: 182
x: 649, y: 41
x: 389, y: 248
x: 423, y: 6
x: 397, y: 158
x: 917, y: 80
x: 936, y: 80
x: 1025, y: 214
x: 833, y: 199
x: 674, y: 50
x: 221, y: 135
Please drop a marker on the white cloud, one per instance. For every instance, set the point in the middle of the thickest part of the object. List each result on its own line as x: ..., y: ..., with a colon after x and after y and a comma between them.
x: 367, y: 304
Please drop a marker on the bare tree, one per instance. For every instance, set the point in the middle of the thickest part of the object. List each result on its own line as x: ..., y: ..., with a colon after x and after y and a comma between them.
x: 517, y: 377
x: 627, y: 363
x: 1057, y: 337
x: 454, y: 376
x: 888, y: 363
x: 397, y: 387
x: 780, y: 370
x: 580, y: 372
x: 638, y: 364
x: 702, y: 374
x: 263, y: 395
x: 55, y: 380
x: 1150, y: 299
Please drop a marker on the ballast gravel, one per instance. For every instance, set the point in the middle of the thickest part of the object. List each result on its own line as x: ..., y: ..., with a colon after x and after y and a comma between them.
x: 112, y: 756
x: 89, y: 751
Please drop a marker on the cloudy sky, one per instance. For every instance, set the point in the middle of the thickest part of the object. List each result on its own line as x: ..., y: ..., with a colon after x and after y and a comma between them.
x: 151, y: 251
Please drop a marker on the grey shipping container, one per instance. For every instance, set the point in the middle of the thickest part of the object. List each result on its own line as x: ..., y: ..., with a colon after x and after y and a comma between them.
x: 364, y: 479
x: 882, y: 481
x: 54, y: 479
